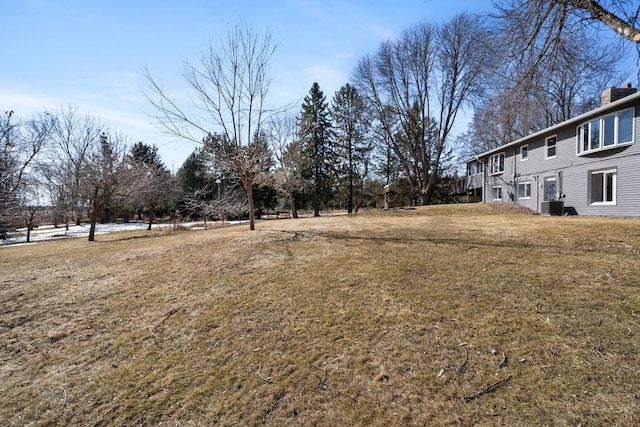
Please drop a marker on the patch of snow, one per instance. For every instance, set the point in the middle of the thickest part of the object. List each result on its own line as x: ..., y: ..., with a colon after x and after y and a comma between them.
x: 49, y: 232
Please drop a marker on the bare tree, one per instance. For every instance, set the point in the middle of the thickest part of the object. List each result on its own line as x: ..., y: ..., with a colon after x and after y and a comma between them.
x: 20, y: 144
x: 417, y: 86
x: 546, y: 21
x: 74, y: 137
x: 534, y: 33
x: 224, y: 206
x: 229, y: 87
x: 283, y: 134
x: 107, y: 176
x: 31, y: 207
x: 525, y: 95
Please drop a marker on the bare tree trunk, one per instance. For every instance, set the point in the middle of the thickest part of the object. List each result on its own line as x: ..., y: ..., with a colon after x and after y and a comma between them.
x: 350, y: 202
x: 29, y: 222
x: 252, y: 219
x: 292, y: 203
x: 94, y: 220
x: 93, y: 217
x: 151, y: 217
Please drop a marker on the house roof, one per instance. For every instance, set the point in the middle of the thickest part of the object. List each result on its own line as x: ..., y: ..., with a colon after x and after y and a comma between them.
x: 551, y: 129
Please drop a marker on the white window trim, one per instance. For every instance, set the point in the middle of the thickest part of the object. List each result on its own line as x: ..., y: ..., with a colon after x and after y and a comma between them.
x: 523, y: 159
x: 499, y: 187
x: 615, y: 185
x: 525, y: 197
x: 492, y: 173
x: 546, y: 147
x: 601, y: 146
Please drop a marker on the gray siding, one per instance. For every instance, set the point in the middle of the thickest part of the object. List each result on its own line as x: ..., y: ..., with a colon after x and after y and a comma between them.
x: 572, y: 172
x: 504, y: 180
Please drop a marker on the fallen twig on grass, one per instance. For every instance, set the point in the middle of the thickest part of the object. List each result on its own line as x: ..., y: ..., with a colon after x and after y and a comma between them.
x: 464, y: 364
x: 156, y: 338
x: 488, y: 388
x: 323, y: 384
x: 504, y: 360
x: 259, y: 372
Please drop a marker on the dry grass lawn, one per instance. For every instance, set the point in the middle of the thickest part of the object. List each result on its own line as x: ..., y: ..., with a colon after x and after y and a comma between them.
x: 446, y: 315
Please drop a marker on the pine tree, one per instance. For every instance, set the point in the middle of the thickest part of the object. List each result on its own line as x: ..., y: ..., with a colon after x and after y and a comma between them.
x: 192, y: 175
x: 316, y: 135
x: 353, y: 147
x: 155, y: 189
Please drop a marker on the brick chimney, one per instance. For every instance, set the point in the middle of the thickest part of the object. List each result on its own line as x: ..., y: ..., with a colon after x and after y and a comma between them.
x: 615, y: 93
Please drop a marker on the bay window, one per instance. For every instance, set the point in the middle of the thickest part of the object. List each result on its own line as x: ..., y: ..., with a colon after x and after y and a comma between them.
x: 606, y: 131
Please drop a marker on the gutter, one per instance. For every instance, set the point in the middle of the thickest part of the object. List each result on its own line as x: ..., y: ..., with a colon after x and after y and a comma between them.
x: 580, y: 118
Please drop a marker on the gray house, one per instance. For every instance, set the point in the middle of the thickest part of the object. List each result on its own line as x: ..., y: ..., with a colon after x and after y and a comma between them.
x: 588, y: 165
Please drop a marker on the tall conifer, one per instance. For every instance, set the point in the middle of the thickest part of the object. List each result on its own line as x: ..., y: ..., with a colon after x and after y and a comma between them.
x: 316, y: 135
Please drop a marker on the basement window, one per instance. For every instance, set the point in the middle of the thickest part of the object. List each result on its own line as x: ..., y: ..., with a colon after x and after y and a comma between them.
x: 602, y: 187
x: 524, y: 190
x: 496, y: 193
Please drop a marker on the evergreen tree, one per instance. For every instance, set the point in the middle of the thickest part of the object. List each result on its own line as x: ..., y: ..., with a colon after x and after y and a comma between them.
x: 353, y: 145
x: 147, y: 155
x: 192, y: 175
x: 316, y: 135
x: 155, y: 189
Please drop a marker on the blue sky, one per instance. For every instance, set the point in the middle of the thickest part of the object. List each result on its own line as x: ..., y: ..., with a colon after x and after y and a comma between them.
x: 92, y: 54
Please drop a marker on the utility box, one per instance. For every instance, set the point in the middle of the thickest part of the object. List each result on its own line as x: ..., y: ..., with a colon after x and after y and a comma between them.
x: 552, y: 207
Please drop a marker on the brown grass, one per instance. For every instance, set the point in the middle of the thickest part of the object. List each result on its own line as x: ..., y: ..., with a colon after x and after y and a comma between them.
x: 447, y: 315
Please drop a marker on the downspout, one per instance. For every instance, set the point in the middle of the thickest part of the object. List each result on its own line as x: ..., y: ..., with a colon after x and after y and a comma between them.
x: 560, y: 185
x: 514, y: 183
x: 484, y: 172
x: 535, y: 177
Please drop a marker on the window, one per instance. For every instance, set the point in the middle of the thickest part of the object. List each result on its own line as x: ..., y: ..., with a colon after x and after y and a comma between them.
x: 625, y: 126
x: 496, y: 193
x: 609, y: 135
x: 606, y: 131
x: 496, y: 164
x: 602, y: 187
x: 594, y: 135
x: 550, y: 188
x: 524, y: 190
x: 473, y: 169
x: 524, y: 152
x: 550, y: 144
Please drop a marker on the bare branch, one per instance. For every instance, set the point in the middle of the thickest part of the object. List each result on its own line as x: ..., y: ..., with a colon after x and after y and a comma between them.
x: 229, y: 87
